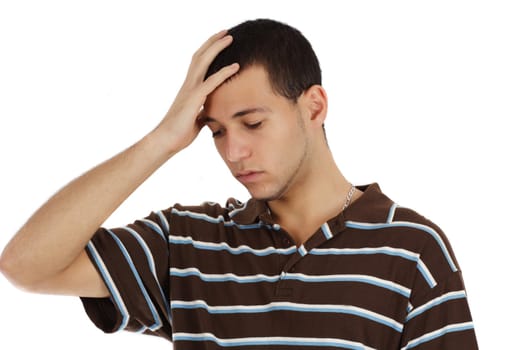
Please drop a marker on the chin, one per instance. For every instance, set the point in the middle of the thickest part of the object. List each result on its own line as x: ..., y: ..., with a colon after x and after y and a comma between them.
x: 266, y: 194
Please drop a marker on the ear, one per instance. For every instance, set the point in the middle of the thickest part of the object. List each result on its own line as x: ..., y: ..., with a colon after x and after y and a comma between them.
x: 314, y: 103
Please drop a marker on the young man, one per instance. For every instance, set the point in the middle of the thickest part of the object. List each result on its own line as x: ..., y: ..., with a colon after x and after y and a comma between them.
x: 310, y: 261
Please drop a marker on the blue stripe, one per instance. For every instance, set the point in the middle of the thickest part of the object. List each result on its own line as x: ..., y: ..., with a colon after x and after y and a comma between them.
x: 439, y: 334
x: 235, y: 211
x: 224, y: 278
x: 362, y: 251
x: 155, y: 227
x: 421, y: 227
x: 297, y: 308
x: 426, y: 276
x: 421, y: 310
x: 391, y: 213
x: 288, y: 341
x: 326, y: 231
x: 409, y: 308
x: 220, y: 219
x: 198, y: 216
x: 158, y: 322
x: 285, y: 276
x: 232, y: 250
x: 145, y: 248
x: 151, y: 262
x: 348, y: 278
x: 164, y: 222
x: 141, y: 329
x: 109, y: 284
x: 251, y: 226
x: 380, y: 250
x: 302, y: 250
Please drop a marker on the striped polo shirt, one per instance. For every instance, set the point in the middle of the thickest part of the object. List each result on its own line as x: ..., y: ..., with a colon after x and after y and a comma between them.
x: 376, y: 276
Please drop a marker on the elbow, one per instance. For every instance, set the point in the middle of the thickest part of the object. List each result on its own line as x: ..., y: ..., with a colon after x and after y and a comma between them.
x: 7, y: 266
x: 10, y: 268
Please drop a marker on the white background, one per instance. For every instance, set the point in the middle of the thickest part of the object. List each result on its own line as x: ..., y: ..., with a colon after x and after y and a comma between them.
x: 425, y: 98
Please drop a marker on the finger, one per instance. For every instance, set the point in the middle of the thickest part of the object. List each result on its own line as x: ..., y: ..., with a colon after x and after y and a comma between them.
x: 200, y: 64
x: 200, y: 118
x: 210, y: 41
x: 219, y: 77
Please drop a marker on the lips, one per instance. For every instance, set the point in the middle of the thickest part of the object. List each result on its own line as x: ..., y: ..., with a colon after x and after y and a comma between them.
x: 248, y: 176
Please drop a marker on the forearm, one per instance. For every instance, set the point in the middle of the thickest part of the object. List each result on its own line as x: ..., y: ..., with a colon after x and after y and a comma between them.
x: 56, y: 234
x: 46, y: 253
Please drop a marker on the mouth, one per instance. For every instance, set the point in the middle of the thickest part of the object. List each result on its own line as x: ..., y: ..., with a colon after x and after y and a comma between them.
x: 248, y: 176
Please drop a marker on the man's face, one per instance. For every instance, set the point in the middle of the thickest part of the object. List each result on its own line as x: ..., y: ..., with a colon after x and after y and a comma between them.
x: 259, y: 134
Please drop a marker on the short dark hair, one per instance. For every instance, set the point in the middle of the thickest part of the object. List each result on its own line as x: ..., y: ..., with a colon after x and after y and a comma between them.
x: 282, y: 50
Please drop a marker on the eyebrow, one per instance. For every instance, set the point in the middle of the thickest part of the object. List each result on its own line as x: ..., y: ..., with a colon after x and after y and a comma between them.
x: 207, y: 119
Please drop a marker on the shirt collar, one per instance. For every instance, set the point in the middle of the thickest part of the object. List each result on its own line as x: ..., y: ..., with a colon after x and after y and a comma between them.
x: 372, y: 206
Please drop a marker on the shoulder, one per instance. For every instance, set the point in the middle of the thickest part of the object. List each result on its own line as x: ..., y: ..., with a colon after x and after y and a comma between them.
x: 374, y: 210
x: 401, y: 214
x: 435, y: 240
x: 437, y: 265
x: 391, y: 223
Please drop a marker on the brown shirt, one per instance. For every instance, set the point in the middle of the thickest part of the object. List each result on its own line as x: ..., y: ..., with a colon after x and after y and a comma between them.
x: 377, y: 276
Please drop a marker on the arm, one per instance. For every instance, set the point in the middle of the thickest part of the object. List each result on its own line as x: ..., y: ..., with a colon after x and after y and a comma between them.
x: 47, y: 254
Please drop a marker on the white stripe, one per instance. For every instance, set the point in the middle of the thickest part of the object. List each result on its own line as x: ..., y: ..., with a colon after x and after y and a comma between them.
x: 234, y: 250
x: 208, y: 277
x: 351, y: 278
x: 410, y: 307
x: 326, y: 230
x: 286, y: 341
x: 153, y: 225
x: 140, y: 283
x: 407, y: 254
x: 145, y: 248
x: 391, y: 213
x: 435, y: 302
x: 302, y: 250
x: 219, y: 219
x: 424, y: 228
x: 236, y: 211
x: 456, y: 327
x: 230, y: 277
x: 287, y: 306
x: 141, y: 330
x: 200, y: 216
x: 403, y: 253
x: 164, y: 222
x: 151, y: 260
x: 426, y: 273
x: 111, y: 286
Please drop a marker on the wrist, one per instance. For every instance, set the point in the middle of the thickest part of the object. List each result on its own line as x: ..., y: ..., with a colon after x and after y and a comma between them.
x: 159, y: 144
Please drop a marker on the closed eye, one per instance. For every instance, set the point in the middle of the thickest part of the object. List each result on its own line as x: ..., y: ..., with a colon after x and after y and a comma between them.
x: 220, y: 132
x: 217, y: 133
x: 253, y: 125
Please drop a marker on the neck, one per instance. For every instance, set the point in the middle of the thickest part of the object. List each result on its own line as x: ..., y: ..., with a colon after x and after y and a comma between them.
x: 314, y: 198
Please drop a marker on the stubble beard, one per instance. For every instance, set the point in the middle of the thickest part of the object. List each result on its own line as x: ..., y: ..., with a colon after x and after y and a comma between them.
x: 283, y: 189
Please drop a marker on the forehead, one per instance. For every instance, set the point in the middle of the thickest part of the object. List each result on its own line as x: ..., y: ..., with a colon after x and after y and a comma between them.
x: 248, y: 89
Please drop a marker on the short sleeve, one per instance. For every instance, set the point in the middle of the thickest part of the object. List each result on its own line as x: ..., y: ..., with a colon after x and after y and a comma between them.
x: 133, y: 261
x: 441, y: 319
x: 438, y: 315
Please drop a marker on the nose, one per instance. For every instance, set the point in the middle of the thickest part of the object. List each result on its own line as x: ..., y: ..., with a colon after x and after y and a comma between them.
x: 236, y: 148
